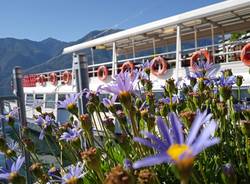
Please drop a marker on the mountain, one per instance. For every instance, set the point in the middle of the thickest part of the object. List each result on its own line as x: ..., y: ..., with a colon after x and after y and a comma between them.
x: 38, y: 56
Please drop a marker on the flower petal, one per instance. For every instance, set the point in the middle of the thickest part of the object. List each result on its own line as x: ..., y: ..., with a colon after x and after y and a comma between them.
x: 151, y: 160
x: 177, y: 127
x: 164, y: 130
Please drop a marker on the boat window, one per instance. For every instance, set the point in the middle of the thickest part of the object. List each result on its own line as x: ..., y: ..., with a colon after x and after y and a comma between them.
x: 29, y: 99
x: 39, y: 96
x: 61, y: 97
x: 50, y: 101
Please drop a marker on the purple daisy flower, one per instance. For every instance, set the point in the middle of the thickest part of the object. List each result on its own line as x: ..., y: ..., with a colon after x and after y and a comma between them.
x: 108, y: 102
x: 11, y: 168
x: 167, y: 99
x: 202, y: 66
x: 226, y: 81
x: 71, y: 134
x: 89, y: 93
x: 44, y: 124
x: 69, y: 101
x: 37, y: 103
x: 74, y: 174
x: 172, y: 148
x: 124, y: 82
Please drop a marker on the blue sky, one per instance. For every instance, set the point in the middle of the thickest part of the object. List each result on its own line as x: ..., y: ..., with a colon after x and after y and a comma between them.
x: 69, y: 20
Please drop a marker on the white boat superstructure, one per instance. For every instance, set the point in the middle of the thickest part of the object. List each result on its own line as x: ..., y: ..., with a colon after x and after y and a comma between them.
x: 174, y: 39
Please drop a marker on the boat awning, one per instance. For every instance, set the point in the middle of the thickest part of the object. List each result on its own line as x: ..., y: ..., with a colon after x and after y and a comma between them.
x: 224, y: 17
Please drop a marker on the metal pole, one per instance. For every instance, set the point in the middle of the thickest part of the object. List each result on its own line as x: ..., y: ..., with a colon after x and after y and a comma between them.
x: 195, y: 39
x: 178, y: 50
x: 212, y: 32
x: 17, y: 76
x: 133, y: 47
x: 114, y: 59
x: 154, y: 46
x: 82, y: 78
x: 93, y: 61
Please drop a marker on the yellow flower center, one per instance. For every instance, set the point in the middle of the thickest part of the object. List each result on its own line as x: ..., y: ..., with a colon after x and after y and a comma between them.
x: 176, y: 150
x: 72, y: 180
x: 71, y: 106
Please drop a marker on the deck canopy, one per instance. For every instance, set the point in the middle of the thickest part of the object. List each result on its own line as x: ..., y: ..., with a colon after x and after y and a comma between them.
x: 224, y: 17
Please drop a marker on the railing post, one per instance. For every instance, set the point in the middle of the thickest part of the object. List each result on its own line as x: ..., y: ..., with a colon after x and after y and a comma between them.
x: 178, y: 51
x: 82, y: 78
x: 17, y: 78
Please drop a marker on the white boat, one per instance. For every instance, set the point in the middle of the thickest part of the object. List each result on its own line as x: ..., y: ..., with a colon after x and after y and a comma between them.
x: 209, y: 23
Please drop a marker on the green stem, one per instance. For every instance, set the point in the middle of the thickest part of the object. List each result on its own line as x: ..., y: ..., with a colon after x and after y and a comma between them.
x: 50, y: 148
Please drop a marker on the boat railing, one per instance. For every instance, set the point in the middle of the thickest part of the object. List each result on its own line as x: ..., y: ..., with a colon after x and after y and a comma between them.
x: 221, y: 52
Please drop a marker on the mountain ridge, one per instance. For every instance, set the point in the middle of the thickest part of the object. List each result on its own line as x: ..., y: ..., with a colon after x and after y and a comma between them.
x: 38, y: 56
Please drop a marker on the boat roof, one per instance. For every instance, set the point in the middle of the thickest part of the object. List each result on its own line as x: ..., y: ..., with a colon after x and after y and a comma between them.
x: 227, y: 16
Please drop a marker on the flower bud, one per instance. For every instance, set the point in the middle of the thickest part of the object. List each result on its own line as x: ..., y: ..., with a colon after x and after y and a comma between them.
x: 118, y: 175
x: 3, y: 146
x: 138, y: 103
x: 145, y: 176
x: 39, y: 109
x: 128, y: 165
x: 72, y: 108
x: 92, y: 158
x: 188, y: 117
x: 170, y: 86
x: 10, y: 153
x: 225, y: 92
x: 29, y: 144
x: 85, y: 122
x: 125, y: 98
x: 227, y: 73
x: 109, y: 124
x: 121, y: 117
x: 239, y: 80
x: 245, y: 127
x: 91, y: 107
x: 229, y: 172
x: 16, y: 178
x: 147, y: 71
x: 10, y: 120
x: 37, y: 170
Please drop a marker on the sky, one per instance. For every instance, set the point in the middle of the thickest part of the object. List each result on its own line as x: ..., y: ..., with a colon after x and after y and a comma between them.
x: 70, y: 20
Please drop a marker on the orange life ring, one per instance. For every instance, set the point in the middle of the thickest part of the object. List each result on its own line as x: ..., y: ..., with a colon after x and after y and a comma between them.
x: 245, y: 54
x: 102, y: 73
x: 128, y: 65
x: 41, y: 79
x: 53, y: 78
x: 158, y: 61
x: 67, y: 77
x: 196, y: 55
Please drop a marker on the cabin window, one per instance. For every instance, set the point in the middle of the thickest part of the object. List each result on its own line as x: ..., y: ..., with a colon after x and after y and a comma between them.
x: 39, y: 97
x: 29, y: 99
x: 50, y: 101
x: 61, y: 97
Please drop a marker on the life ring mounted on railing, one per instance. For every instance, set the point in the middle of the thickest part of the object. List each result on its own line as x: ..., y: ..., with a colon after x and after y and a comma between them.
x: 102, y: 73
x: 128, y: 66
x: 196, y: 55
x: 67, y: 77
x: 158, y: 66
x: 41, y: 79
x: 245, y: 54
x: 53, y: 78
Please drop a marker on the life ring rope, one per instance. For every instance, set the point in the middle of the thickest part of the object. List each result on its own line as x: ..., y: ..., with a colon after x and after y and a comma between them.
x: 245, y: 55
x: 156, y: 62
x: 67, y: 77
x: 128, y: 65
x: 53, y: 78
x: 102, y: 73
x: 196, y: 55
